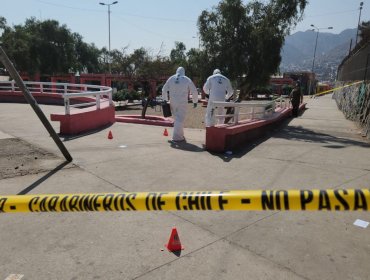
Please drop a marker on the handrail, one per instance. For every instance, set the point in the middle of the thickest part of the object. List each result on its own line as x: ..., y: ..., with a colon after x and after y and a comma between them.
x: 66, y: 90
x: 268, y: 108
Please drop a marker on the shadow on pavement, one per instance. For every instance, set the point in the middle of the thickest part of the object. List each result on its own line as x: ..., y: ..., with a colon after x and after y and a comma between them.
x: 284, y: 131
x: 298, y: 133
x: 250, y: 145
x: 43, y: 178
x: 177, y: 253
x: 185, y: 146
x: 239, y: 153
x: 72, y: 137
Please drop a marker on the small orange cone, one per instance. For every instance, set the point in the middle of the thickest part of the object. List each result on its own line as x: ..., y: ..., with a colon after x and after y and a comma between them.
x: 110, y: 135
x: 165, y: 132
x: 174, y: 243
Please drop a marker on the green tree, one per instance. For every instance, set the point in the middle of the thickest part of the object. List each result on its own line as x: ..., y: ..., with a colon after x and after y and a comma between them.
x: 2, y: 23
x: 86, y: 56
x: 245, y: 41
x: 119, y: 61
x: 53, y: 45
x: 156, y: 67
x: 197, y: 66
x: 104, y: 58
x: 137, y: 60
x: 177, y: 55
x: 47, y: 47
x: 15, y: 43
x: 194, y: 61
x: 138, y: 64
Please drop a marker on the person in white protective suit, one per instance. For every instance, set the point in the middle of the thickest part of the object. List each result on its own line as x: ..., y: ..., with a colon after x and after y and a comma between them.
x: 219, y: 88
x: 178, y: 88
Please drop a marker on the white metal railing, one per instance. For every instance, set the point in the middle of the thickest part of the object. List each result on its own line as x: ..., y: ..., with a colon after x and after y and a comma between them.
x: 68, y: 91
x: 249, y: 109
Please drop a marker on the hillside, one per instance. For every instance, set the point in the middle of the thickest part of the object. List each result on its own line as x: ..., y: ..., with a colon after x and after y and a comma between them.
x: 297, y: 53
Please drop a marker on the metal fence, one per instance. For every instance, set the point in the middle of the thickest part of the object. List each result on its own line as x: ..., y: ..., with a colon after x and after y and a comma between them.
x: 95, y: 94
x: 354, y: 102
x: 356, y: 66
x: 249, y: 110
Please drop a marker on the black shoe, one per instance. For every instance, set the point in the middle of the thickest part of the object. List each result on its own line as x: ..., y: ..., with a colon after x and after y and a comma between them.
x: 178, y: 141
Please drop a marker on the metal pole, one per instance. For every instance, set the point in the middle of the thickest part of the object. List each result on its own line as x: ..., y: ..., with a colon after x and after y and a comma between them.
x: 367, y: 63
x: 14, y: 74
x: 104, y: 4
x: 358, y: 24
x: 110, y: 67
x: 313, y: 62
x: 314, y: 53
x: 350, y: 47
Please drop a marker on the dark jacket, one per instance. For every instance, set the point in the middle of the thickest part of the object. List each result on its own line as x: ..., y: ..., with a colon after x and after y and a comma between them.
x: 296, y: 96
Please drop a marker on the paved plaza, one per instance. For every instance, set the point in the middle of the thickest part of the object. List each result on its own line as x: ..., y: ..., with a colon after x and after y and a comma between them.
x: 320, y: 149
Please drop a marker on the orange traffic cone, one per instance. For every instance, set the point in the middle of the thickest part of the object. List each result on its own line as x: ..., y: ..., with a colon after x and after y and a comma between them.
x: 174, y: 243
x: 110, y: 135
x: 165, y: 132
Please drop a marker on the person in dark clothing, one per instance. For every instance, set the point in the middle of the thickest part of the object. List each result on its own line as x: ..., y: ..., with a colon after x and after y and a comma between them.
x: 296, y: 98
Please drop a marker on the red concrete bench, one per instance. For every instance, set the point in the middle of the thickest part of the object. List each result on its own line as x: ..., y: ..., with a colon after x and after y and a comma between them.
x: 87, y: 119
x: 79, y: 121
x: 227, y: 137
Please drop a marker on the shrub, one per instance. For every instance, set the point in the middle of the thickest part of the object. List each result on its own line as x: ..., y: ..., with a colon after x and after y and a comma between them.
x: 125, y: 94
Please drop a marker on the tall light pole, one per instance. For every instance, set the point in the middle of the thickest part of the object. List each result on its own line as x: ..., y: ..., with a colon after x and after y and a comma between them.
x: 110, y: 4
x: 317, y: 36
x: 359, y: 17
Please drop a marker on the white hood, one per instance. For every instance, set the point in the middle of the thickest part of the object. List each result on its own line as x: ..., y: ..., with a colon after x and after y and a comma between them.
x: 180, y: 71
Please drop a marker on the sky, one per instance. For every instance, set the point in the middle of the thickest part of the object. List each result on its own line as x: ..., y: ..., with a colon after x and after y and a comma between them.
x: 157, y: 24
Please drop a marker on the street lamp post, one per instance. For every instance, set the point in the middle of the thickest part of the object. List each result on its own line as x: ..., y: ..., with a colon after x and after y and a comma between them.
x: 314, y: 53
x: 110, y: 4
x: 317, y: 36
x: 359, y: 18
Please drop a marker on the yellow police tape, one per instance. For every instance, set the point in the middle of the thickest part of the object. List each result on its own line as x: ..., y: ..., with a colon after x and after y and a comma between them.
x: 330, y: 90
x: 251, y: 200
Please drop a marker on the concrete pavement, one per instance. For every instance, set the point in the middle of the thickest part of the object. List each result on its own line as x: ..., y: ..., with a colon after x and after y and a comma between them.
x: 320, y: 149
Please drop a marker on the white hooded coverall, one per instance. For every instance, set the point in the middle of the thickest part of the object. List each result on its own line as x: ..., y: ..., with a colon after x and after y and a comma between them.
x: 219, y: 89
x: 178, y: 87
